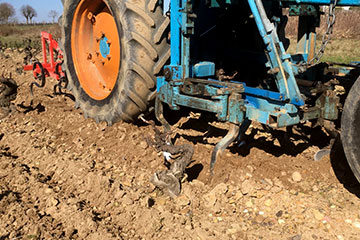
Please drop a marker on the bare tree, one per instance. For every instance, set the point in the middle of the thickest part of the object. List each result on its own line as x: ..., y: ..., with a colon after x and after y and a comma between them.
x: 28, y: 12
x: 53, y: 15
x: 6, y: 11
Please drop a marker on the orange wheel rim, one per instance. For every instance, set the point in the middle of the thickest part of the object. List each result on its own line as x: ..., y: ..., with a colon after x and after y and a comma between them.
x: 95, y: 48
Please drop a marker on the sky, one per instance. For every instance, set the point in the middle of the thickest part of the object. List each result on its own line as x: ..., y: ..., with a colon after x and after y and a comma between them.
x: 42, y: 7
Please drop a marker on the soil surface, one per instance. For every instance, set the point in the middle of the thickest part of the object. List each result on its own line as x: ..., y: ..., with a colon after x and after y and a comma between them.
x: 66, y: 177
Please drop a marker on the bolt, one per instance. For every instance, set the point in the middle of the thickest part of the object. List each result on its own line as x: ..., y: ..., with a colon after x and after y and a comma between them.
x: 97, y: 53
x: 91, y: 17
x: 89, y: 56
x: 103, y: 61
x: 108, y: 57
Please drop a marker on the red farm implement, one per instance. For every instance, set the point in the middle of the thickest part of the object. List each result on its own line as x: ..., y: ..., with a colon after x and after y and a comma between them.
x: 52, y: 57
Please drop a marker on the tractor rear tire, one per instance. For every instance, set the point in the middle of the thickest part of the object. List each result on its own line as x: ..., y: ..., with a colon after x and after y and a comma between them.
x: 137, y: 53
x: 350, y: 128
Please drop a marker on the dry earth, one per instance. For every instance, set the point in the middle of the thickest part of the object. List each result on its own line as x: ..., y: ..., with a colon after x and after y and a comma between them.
x: 66, y: 177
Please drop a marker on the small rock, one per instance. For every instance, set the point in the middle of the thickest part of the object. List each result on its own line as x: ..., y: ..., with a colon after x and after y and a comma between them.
x: 197, y: 183
x: 249, y: 204
x: 268, y: 202
x: 356, y: 224
x: 246, y: 187
x: 318, y: 215
x: 296, y: 237
x: 143, y: 145
x: 251, y: 169
x: 279, y: 213
x: 188, y: 227
x: 278, y: 183
x: 296, y: 177
x: 315, y: 188
x: 348, y: 221
x: 340, y: 237
x: 281, y: 221
x: 220, y: 189
x: 238, y: 195
x: 48, y: 190
x: 259, y: 219
x: 269, y: 181
x: 209, y: 200
x: 182, y: 201
x: 54, y: 201
x: 161, y: 201
x: 127, y: 200
x: 231, y: 231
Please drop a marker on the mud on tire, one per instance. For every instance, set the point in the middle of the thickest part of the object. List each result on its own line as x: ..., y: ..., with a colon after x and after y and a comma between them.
x: 144, y: 51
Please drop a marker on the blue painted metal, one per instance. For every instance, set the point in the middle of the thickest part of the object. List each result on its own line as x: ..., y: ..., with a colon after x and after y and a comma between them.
x: 104, y: 47
x: 303, y: 10
x: 274, y: 108
x: 277, y: 57
x: 325, y: 2
x: 204, y: 69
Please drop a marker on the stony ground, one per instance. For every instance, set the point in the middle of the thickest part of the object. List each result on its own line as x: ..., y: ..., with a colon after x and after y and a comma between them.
x: 66, y: 177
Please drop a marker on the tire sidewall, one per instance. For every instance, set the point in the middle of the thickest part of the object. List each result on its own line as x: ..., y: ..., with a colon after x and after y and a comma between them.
x: 350, y: 133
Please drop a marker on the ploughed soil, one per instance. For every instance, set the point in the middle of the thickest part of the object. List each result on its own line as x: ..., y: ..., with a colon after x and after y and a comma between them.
x: 66, y: 177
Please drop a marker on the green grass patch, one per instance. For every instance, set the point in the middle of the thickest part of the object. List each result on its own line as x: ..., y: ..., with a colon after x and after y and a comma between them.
x: 337, y: 50
x: 16, y: 36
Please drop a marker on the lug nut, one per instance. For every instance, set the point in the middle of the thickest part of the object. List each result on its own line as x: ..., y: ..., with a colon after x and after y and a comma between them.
x: 108, y: 57
x: 89, y: 56
x: 91, y: 17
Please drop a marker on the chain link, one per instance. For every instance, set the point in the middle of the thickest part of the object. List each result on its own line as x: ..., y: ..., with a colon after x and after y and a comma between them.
x: 330, y: 21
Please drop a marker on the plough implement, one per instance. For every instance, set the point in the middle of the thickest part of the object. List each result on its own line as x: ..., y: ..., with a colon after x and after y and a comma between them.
x: 226, y: 58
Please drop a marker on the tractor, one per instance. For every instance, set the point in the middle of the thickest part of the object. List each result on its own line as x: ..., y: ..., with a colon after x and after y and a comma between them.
x: 225, y: 58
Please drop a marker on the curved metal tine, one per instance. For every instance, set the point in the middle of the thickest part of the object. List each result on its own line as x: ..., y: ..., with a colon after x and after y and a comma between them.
x: 58, y: 92
x: 41, y: 76
x: 159, y: 113
x: 244, y: 126
x: 62, y: 84
x: 223, y: 144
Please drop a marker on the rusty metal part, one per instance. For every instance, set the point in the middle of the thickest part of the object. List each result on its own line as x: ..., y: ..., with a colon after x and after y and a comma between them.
x: 170, y: 180
x: 223, y: 144
x: 159, y: 113
x: 221, y: 75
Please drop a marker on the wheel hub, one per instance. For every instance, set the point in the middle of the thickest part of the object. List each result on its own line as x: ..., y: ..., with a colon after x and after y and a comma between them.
x: 94, y: 36
x: 104, y: 47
